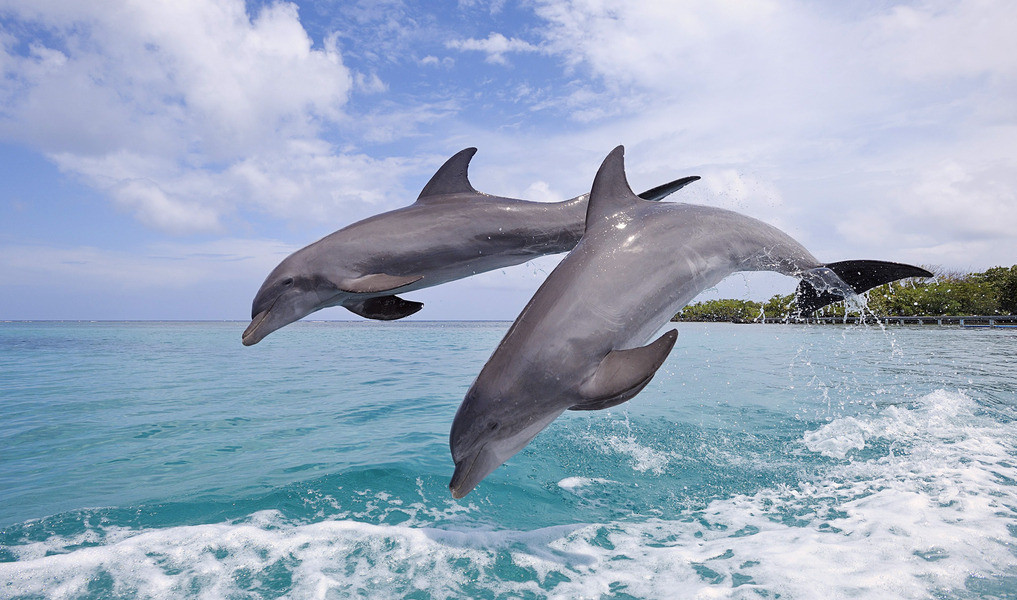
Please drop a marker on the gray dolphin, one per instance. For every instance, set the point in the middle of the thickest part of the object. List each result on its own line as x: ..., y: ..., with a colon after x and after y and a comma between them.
x: 578, y: 343
x: 452, y: 231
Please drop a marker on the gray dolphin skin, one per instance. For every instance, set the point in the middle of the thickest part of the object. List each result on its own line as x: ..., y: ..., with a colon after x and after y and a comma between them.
x: 578, y: 343
x: 452, y: 231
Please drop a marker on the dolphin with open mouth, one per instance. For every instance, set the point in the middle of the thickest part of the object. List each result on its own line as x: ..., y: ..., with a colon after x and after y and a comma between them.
x: 578, y: 343
x: 452, y: 231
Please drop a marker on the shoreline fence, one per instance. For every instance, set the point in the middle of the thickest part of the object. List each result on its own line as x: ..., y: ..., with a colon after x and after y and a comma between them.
x: 981, y: 322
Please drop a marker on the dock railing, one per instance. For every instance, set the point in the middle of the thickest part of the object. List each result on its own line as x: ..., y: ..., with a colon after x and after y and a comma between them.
x: 979, y: 321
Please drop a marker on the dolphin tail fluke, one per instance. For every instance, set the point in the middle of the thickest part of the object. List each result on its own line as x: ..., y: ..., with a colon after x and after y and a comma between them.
x: 833, y: 282
x: 624, y: 373
x: 663, y: 191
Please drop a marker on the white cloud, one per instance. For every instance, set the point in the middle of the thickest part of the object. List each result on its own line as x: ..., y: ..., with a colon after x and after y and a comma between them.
x: 496, y: 46
x: 432, y: 61
x: 206, y: 280
x: 973, y: 202
x: 302, y: 180
x: 828, y: 114
x: 156, y: 102
x: 156, y: 267
x: 230, y: 80
x: 540, y: 191
x: 945, y: 38
x: 306, y: 182
x: 864, y: 130
x: 371, y: 84
x: 729, y: 188
x: 389, y: 123
x: 777, y: 69
x: 524, y: 278
x: 493, y: 6
x: 154, y: 207
x: 155, y: 189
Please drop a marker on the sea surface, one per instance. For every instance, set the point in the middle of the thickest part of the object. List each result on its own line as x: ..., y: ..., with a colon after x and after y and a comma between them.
x: 166, y: 460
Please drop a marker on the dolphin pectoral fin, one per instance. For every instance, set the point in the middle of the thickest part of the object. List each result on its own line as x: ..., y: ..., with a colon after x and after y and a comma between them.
x: 663, y: 191
x: 624, y: 373
x: 826, y: 284
x: 385, y: 308
x: 377, y: 282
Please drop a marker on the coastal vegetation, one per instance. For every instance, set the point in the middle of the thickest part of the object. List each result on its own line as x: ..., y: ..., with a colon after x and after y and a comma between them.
x: 991, y: 292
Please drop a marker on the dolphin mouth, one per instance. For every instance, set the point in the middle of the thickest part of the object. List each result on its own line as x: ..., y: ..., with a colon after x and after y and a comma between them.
x: 460, y: 486
x: 250, y: 336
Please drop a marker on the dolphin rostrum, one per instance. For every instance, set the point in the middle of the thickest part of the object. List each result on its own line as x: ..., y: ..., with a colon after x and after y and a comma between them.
x: 578, y: 343
x: 452, y: 231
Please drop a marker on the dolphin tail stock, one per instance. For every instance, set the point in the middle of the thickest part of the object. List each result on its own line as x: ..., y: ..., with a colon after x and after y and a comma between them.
x: 663, y: 191
x: 836, y: 281
x: 624, y: 373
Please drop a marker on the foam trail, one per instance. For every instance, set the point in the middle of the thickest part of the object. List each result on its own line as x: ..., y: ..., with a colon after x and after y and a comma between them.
x: 913, y: 501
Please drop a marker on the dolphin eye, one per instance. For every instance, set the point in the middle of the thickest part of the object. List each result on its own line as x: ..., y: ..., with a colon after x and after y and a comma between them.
x: 492, y: 426
x: 287, y: 282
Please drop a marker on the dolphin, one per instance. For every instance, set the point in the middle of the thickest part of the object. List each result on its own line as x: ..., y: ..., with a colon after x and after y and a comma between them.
x: 579, y: 342
x: 452, y: 231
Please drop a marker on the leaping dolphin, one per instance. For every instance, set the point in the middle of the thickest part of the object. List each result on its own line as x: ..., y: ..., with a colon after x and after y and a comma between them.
x: 578, y: 343
x: 452, y: 231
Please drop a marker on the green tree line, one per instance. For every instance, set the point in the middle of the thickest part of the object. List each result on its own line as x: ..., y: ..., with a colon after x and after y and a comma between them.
x: 992, y: 292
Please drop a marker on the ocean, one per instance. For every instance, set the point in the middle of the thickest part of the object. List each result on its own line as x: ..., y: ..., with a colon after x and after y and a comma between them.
x: 165, y: 460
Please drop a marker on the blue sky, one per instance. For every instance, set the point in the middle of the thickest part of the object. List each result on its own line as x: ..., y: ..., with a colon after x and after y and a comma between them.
x: 157, y: 159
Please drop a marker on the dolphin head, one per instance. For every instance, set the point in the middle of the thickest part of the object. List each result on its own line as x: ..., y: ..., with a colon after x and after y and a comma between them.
x: 291, y: 291
x: 488, y: 429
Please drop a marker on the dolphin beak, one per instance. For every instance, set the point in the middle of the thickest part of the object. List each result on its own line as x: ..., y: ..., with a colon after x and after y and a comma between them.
x: 466, y: 477
x: 251, y: 335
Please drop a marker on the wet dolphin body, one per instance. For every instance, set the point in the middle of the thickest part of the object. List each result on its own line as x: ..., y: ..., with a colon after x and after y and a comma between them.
x: 578, y: 343
x: 452, y: 231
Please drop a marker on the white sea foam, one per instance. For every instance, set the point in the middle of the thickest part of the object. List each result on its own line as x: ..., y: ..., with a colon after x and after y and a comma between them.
x: 938, y: 416
x: 838, y: 438
x: 574, y: 483
x: 644, y: 458
x: 936, y: 515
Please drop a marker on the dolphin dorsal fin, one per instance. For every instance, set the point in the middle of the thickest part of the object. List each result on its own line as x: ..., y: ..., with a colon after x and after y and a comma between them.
x: 623, y: 373
x: 451, y: 178
x: 611, y: 193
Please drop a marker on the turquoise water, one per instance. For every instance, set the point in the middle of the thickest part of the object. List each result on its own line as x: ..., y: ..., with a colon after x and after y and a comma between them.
x: 165, y: 460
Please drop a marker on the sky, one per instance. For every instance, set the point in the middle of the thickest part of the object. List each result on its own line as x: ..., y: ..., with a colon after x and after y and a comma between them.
x: 159, y: 158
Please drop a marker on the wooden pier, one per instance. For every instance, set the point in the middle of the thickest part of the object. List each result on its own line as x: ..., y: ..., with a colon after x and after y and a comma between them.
x: 983, y: 322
